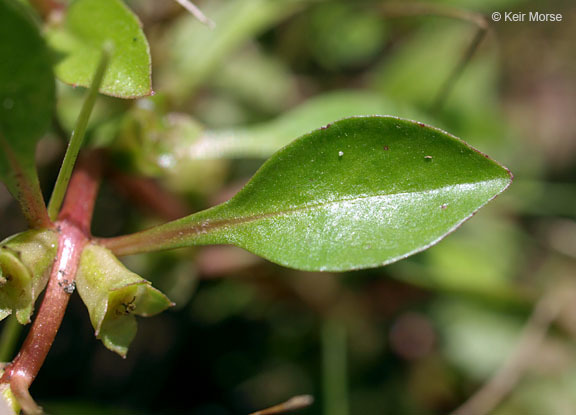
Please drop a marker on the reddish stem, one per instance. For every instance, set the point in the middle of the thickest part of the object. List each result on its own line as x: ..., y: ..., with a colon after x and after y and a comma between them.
x: 74, y: 229
x: 83, y: 188
x: 46, y: 7
x: 28, y: 191
x: 24, y: 368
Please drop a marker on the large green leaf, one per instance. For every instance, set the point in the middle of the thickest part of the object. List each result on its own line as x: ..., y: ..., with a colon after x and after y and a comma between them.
x: 26, y: 104
x: 359, y: 193
x: 89, y: 25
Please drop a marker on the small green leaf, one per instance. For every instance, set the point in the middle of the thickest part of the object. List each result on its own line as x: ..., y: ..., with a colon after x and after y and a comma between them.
x: 87, y: 27
x: 359, y: 193
x: 25, y: 261
x: 113, y: 295
x: 26, y: 105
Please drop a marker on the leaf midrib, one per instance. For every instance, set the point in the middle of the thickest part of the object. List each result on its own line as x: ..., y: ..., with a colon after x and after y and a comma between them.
x: 206, y: 226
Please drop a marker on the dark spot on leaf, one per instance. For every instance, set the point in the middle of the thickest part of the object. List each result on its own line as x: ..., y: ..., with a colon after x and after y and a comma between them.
x: 421, y: 124
x: 444, y: 206
x: 326, y: 127
x: 386, y: 148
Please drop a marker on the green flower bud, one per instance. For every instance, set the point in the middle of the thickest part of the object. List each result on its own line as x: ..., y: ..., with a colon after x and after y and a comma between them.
x: 25, y: 262
x: 159, y: 146
x: 113, y: 296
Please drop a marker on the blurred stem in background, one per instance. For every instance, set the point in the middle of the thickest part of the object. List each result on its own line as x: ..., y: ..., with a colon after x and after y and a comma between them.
x: 9, y: 338
x: 196, y: 12
x: 334, y: 367
x: 424, y: 9
x: 546, y: 311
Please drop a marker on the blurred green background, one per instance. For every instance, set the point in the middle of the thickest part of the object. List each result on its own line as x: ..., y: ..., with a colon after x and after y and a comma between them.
x: 414, y: 338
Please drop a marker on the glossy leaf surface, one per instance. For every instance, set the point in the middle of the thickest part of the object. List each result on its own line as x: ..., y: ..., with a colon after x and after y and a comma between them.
x: 26, y: 105
x: 113, y: 296
x: 359, y: 193
x: 89, y: 25
x: 25, y: 261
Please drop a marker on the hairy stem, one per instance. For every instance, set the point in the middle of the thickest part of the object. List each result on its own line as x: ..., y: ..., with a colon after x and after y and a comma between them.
x: 77, y: 138
x: 26, y: 189
x: 73, y: 227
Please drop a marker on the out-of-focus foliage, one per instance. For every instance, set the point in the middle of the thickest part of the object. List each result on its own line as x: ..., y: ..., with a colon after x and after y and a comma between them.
x: 422, y: 334
x: 238, y: 22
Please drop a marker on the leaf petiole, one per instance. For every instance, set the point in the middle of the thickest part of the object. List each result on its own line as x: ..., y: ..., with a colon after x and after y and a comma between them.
x: 77, y: 137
